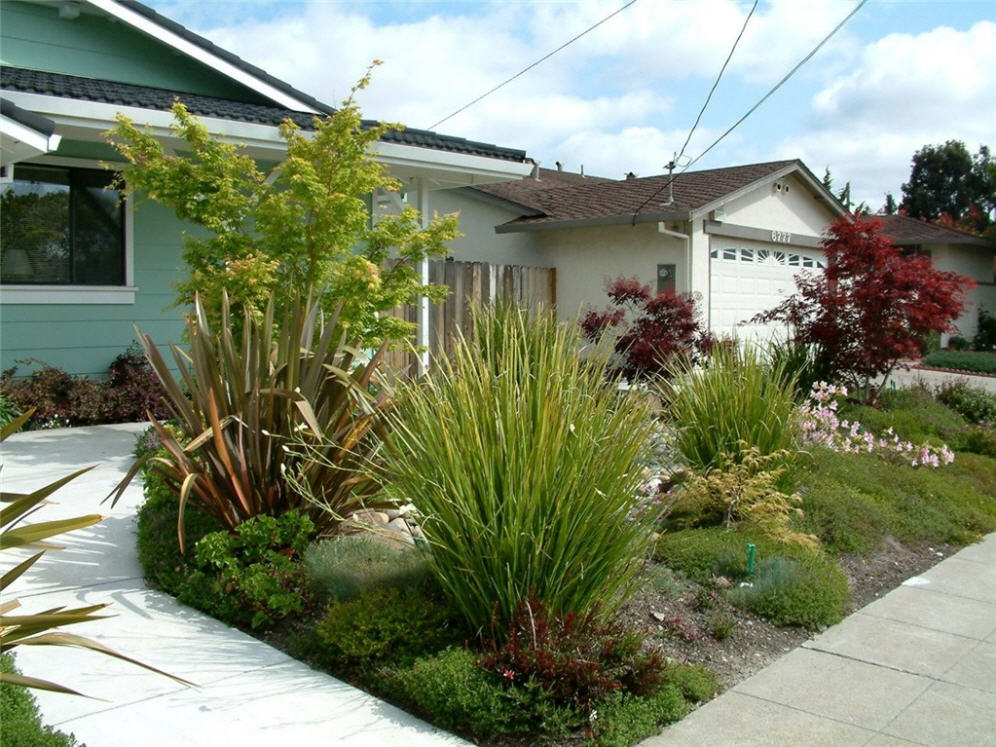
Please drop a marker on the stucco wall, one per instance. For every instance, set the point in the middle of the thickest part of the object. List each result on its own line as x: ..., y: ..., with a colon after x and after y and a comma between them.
x: 796, y: 211
x: 479, y: 242
x: 35, y: 37
x: 975, y: 262
x: 587, y: 258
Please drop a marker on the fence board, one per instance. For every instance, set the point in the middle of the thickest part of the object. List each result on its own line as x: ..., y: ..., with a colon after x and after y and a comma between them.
x: 471, y: 285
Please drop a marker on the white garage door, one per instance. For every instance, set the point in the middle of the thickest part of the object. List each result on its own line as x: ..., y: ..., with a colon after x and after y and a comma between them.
x: 747, y: 277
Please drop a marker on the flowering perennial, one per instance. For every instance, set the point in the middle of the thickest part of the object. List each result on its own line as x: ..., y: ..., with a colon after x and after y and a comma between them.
x: 822, y: 426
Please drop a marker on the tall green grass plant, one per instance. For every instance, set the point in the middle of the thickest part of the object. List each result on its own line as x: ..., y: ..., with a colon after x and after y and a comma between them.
x: 525, y: 461
x: 733, y: 403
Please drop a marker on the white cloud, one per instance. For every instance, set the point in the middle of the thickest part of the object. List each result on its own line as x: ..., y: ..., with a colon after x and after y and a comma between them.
x: 906, y: 91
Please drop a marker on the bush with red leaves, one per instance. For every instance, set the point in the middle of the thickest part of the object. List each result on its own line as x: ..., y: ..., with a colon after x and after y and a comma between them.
x: 652, y: 328
x: 60, y: 399
x: 576, y: 659
x: 872, y: 306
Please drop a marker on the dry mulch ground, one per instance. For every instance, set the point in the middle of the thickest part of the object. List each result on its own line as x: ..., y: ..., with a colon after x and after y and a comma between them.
x: 697, y: 625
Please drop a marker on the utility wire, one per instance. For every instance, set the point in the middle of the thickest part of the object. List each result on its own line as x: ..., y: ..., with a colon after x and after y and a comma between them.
x: 754, y: 108
x: 716, y: 83
x: 525, y: 70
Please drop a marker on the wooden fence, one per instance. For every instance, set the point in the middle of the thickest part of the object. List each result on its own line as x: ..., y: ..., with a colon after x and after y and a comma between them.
x: 472, y: 284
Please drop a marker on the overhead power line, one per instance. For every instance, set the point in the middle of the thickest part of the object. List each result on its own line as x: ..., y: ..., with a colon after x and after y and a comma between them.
x: 754, y: 108
x: 716, y: 83
x: 542, y: 59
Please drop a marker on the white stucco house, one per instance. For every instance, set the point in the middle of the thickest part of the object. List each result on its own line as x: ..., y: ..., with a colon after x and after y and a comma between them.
x: 955, y: 251
x: 736, y: 237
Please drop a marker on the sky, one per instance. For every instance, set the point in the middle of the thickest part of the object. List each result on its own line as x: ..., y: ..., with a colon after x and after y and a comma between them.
x: 899, y: 75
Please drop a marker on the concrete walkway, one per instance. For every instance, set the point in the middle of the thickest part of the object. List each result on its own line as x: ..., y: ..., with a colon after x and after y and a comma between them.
x: 247, y: 693
x: 932, y: 379
x: 917, y: 666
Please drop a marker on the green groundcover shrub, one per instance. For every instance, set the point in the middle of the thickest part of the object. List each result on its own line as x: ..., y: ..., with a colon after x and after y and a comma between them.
x: 343, y: 567
x: 973, y: 404
x: 792, y: 585
x: 976, y: 361
x: 20, y: 721
x: 454, y: 692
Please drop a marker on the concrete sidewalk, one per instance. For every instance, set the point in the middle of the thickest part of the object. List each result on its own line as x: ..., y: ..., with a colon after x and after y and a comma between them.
x: 917, y: 666
x: 247, y: 692
x: 933, y: 379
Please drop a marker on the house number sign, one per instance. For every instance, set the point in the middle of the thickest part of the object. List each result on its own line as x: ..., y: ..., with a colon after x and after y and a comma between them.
x: 781, y: 237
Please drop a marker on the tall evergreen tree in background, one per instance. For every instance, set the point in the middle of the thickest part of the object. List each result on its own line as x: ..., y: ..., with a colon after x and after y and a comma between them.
x: 950, y: 187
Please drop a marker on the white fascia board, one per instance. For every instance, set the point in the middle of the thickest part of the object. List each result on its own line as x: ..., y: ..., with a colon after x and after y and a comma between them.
x: 473, y: 169
x: 147, y: 26
x: 21, y: 142
x: 98, y: 117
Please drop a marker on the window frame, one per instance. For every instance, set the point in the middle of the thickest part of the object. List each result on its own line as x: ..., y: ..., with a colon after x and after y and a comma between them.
x: 36, y: 294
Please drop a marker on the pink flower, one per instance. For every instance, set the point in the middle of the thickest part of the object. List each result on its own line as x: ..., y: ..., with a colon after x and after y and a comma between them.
x: 508, y: 674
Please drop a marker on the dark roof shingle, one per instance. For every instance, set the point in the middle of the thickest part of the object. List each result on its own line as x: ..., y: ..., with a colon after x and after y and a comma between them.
x: 902, y: 230
x: 160, y: 99
x: 593, y: 200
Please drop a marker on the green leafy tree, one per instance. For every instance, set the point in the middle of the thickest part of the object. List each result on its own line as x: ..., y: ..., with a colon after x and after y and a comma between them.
x: 302, y: 225
x: 949, y: 186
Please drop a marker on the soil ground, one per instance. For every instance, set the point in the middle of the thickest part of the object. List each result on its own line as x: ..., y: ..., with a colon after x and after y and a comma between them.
x: 696, y: 624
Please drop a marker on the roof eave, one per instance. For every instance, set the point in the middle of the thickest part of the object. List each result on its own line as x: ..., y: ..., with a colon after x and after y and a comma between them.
x: 795, y: 166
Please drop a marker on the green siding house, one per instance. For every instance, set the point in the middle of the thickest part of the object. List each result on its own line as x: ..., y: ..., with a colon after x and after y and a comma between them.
x: 78, y: 270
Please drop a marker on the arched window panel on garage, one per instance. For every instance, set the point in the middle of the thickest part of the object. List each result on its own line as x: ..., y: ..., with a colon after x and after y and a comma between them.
x: 767, y: 257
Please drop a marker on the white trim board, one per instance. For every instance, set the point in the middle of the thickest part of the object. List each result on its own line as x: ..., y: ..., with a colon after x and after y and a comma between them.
x: 177, y: 42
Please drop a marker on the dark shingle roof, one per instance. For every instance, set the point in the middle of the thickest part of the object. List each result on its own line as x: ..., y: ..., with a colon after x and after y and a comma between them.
x: 606, y: 200
x: 903, y: 230
x: 143, y: 97
x: 523, y: 191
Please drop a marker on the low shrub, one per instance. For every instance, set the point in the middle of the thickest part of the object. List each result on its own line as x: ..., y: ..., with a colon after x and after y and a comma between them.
x: 343, y: 567
x: 454, y: 693
x: 963, y: 360
x: 649, y: 329
x: 853, y: 501
x: 7, y: 409
x: 576, y: 659
x: 251, y: 575
x: 985, y: 337
x: 130, y: 391
x: 511, y: 450
x: 702, y: 554
x: 22, y: 724
x: 621, y: 719
x: 973, y: 404
x: 810, y: 592
x: 744, y: 492
x: 958, y: 343
x: 163, y: 564
x: 389, y: 625
x: 734, y: 403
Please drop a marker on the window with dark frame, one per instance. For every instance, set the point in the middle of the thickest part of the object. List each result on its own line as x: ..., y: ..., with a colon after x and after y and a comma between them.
x: 61, y: 226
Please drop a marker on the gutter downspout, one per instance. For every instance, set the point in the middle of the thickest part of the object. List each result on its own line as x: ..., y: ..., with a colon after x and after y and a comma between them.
x: 662, y: 228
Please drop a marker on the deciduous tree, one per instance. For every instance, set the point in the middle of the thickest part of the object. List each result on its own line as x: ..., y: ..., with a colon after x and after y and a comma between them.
x: 949, y: 186
x: 872, y: 306
x: 301, y: 225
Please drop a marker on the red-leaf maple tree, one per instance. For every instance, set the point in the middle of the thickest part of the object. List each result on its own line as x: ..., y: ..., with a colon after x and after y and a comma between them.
x: 653, y: 328
x: 872, y: 306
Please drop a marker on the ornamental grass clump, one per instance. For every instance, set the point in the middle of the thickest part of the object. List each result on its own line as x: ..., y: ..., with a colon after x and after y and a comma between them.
x: 734, y: 403
x: 525, y: 461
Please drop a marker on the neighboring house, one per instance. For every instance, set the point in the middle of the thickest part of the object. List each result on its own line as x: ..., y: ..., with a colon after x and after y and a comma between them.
x: 78, y: 270
x: 734, y: 236
x: 955, y: 251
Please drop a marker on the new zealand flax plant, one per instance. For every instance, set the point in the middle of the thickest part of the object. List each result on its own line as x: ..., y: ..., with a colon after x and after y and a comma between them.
x: 238, y: 406
x: 525, y: 461
x: 43, y: 628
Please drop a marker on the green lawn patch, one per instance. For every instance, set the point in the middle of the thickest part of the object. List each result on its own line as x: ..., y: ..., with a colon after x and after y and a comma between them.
x: 978, y: 361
